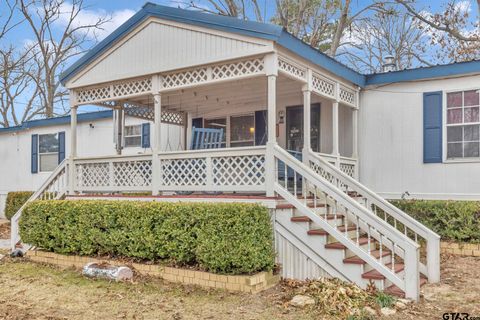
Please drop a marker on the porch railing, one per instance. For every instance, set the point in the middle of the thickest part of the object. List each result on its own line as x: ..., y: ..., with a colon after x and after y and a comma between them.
x: 347, y: 165
x: 235, y: 169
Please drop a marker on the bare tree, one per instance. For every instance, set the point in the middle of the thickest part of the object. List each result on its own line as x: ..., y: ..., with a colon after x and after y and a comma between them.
x: 7, y: 21
x: 18, y: 97
x: 59, y: 37
x: 388, y: 33
x: 231, y: 8
x: 454, y: 30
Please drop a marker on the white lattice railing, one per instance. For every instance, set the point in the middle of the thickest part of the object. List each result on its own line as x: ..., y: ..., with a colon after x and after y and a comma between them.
x: 347, y: 96
x: 292, y: 69
x: 113, y: 174
x: 320, y: 191
x: 54, y: 187
x: 347, y: 165
x: 378, y: 206
x: 235, y: 169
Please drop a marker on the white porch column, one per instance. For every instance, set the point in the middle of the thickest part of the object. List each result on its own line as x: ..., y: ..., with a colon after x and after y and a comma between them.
x: 119, y: 118
x: 73, y: 144
x: 307, y: 114
x: 188, y: 131
x: 157, y: 133
x: 335, y: 147
x: 271, y: 66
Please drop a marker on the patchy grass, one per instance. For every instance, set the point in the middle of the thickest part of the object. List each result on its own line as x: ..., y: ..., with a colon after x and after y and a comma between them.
x: 34, y: 291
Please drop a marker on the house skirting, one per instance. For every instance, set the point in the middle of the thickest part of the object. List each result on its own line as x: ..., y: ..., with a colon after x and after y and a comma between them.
x: 242, y: 283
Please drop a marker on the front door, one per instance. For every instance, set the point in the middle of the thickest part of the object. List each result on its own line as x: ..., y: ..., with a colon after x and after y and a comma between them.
x: 294, y: 128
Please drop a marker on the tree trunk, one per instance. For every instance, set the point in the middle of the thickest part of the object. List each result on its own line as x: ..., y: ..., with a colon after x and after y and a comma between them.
x: 342, y: 23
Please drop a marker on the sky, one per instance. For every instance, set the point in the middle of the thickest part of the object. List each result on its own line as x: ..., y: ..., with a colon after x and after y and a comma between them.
x: 121, y: 10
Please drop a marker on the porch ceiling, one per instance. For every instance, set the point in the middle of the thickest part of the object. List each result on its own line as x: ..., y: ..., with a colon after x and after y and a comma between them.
x: 231, y: 96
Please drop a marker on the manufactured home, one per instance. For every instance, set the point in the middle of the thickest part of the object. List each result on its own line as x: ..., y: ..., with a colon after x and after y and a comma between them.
x: 266, y: 118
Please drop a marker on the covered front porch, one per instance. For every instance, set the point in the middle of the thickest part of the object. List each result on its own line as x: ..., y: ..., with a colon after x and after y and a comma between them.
x: 257, y: 102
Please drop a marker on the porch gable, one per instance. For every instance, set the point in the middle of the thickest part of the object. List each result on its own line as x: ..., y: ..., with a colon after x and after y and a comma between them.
x: 158, y: 45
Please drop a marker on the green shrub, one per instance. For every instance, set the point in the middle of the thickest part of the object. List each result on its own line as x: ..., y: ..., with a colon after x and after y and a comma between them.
x: 226, y: 238
x: 384, y: 300
x: 14, y: 201
x: 452, y: 220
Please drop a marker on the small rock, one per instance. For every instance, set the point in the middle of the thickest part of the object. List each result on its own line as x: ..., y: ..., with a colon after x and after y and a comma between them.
x: 387, y: 311
x: 94, y: 269
x: 404, y: 301
x: 302, y: 301
x: 400, y: 305
x: 370, y: 311
x: 2, y: 256
x: 17, y: 253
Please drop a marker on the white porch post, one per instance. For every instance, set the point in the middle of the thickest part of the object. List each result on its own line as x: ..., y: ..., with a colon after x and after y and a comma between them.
x: 156, y: 165
x: 307, y: 98
x: 271, y: 66
x: 188, y: 131
x: 355, y: 140
x: 118, y: 128
x: 335, y: 148
x: 73, y: 143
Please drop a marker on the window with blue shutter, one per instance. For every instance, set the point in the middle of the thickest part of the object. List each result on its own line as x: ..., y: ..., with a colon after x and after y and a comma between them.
x: 146, y: 135
x: 260, y: 127
x: 432, y: 127
x: 61, y: 146
x: 34, y: 154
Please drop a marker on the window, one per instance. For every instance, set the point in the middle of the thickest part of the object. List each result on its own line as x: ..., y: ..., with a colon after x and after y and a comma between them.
x: 463, y: 124
x: 48, y: 152
x: 219, y: 123
x: 242, y: 130
x: 133, y: 136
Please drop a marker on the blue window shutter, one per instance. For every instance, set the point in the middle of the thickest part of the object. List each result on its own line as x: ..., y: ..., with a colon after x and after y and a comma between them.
x: 61, y: 146
x: 260, y: 127
x: 432, y: 127
x: 146, y: 135
x: 197, y: 122
x: 34, y: 167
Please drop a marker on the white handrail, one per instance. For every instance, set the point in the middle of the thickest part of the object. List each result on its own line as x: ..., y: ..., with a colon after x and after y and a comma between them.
x: 59, y: 170
x: 433, y: 239
x: 411, y: 282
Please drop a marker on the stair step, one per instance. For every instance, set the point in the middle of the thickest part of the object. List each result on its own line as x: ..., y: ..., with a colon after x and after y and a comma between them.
x: 321, y: 232
x: 358, y: 260
x: 396, y: 291
x: 375, y: 275
x: 291, y: 206
x: 340, y: 246
x: 307, y: 219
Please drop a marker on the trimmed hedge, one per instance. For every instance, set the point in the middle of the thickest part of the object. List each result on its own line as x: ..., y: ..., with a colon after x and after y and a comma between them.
x: 452, y: 220
x: 14, y: 201
x: 224, y: 238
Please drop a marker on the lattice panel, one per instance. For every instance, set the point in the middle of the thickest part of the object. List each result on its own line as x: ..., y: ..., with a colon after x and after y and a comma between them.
x: 93, y: 174
x: 93, y: 94
x: 133, y: 173
x: 143, y: 112
x: 137, y: 86
x: 237, y: 69
x: 239, y: 171
x: 348, y: 169
x: 185, y: 78
x: 291, y: 69
x: 184, y: 172
x: 323, y: 86
x: 347, y: 96
x: 324, y: 174
x: 173, y: 117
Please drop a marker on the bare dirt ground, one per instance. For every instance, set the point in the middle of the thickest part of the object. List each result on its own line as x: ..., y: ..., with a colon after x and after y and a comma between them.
x: 4, y: 229
x: 34, y: 291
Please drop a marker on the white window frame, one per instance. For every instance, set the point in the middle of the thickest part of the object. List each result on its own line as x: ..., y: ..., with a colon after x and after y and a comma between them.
x: 445, y: 125
x: 125, y: 136
x: 228, y: 127
x: 252, y: 114
x: 45, y: 153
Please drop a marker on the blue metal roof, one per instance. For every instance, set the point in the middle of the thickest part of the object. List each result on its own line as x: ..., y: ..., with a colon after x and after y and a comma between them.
x: 269, y: 32
x: 81, y: 117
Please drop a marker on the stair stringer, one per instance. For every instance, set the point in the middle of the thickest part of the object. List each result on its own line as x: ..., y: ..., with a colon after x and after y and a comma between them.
x: 312, y: 248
